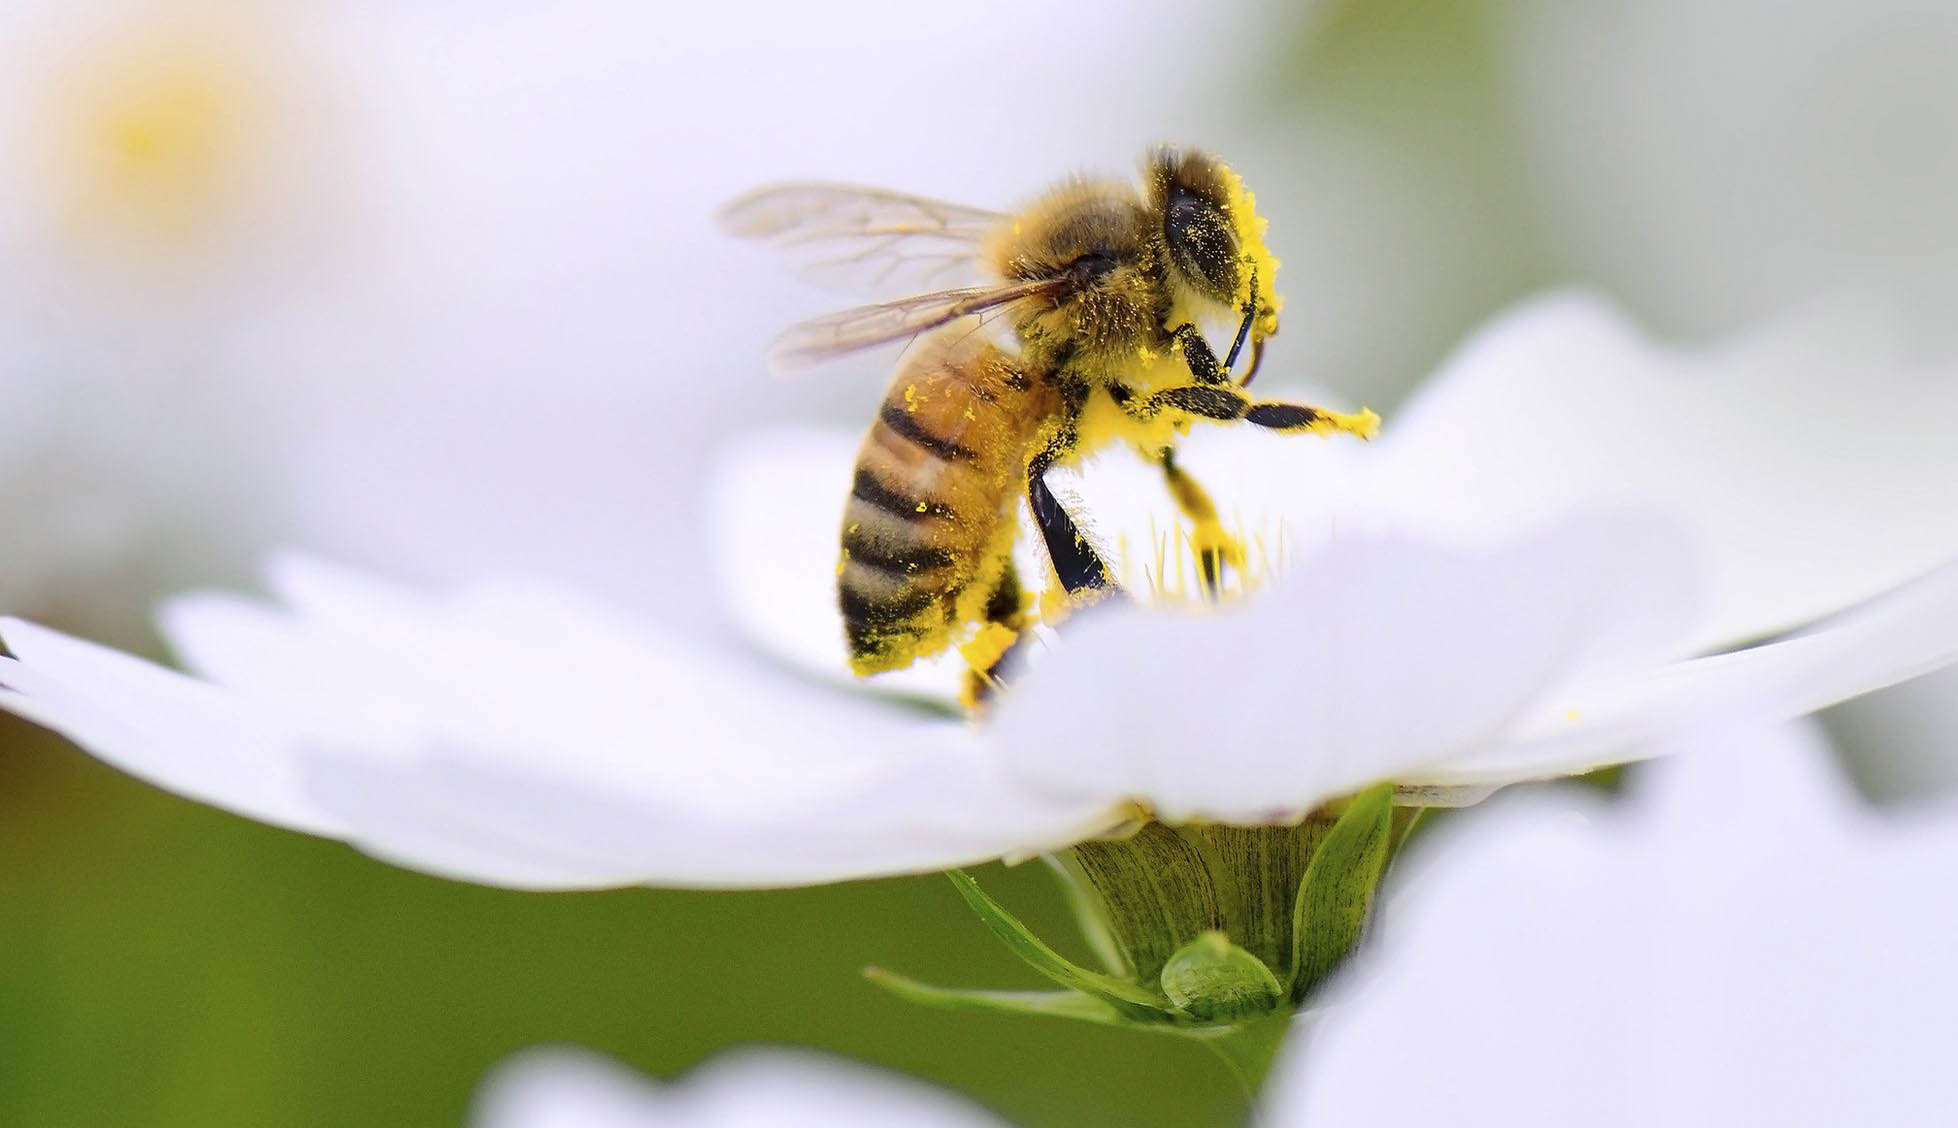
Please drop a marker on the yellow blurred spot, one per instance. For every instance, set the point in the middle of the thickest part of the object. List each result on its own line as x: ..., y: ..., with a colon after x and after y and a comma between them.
x: 155, y: 137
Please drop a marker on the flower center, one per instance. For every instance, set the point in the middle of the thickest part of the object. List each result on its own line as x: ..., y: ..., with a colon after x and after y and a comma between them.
x: 148, y: 139
x: 1208, y: 562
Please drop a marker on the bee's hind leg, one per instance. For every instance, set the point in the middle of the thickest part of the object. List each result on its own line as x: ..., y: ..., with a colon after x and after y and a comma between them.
x: 1000, y: 645
x: 1001, y: 636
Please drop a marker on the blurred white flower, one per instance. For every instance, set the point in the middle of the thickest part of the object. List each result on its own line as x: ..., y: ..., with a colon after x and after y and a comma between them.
x: 1902, y: 743
x: 1740, y: 941
x: 564, y: 1088
x: 516, y: 737
x: 176, y: 178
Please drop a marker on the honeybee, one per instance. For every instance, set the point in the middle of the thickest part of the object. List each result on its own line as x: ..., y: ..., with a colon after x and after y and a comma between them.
x: 1080, y: 332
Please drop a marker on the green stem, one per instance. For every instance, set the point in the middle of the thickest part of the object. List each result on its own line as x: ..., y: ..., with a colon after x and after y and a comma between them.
x: 1248, y: 1051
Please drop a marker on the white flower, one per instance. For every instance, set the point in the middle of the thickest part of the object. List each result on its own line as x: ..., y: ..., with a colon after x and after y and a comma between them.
x: 563, y: 1088
x: 1741, y: 940
x: 512, y: 736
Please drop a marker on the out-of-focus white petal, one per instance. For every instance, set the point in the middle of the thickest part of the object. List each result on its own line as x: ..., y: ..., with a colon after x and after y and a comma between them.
x: 188, y: 736
x: 1377, y: 658
x: 1816, y: 464
x: 778, y: 500
x: 567, y: 1088
x: 1906, y: 633
x: 1738, y: 943
x: 518, y: 737
x: 465, y: 812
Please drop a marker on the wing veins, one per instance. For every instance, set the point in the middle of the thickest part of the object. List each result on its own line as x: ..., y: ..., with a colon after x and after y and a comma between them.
x: 838, y: 334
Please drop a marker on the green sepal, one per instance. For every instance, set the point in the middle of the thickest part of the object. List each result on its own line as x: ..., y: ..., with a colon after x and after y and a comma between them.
x: 1132, y: 1001
x: 1337, y: 893
x: 1054, y: 1004
x: 1245, y: 1048
x: 1090, y: 919
x: 1213, y: 980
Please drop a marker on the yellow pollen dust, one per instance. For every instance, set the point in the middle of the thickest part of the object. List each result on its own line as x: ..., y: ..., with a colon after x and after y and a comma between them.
x: 1364, y: 424
x: 987, y: 646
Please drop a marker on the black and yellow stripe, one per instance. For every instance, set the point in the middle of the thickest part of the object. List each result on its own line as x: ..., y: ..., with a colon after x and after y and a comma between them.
x: 929, y: 524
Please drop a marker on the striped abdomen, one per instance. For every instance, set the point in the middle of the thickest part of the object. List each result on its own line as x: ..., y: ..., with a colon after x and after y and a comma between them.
x: 934, y: 506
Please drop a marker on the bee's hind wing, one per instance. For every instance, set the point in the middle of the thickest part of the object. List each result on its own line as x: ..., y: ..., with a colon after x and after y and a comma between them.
x: 865, y: 240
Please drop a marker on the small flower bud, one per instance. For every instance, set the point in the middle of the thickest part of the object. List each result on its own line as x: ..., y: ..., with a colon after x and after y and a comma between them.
x: 1214, y: 980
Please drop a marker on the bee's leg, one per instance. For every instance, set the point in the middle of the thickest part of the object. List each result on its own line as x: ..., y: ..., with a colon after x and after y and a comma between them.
x: 1215, y: 548
x: 1205, y: 368
x: 1083, y: 577
x: 1075, y: 563
x: 1204, y: 365
x: 1000, y: 637
x: 1229, y: 403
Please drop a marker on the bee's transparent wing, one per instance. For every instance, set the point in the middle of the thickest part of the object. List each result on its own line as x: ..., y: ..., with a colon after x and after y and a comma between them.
x: 838, y: 334
x: 865, y: 240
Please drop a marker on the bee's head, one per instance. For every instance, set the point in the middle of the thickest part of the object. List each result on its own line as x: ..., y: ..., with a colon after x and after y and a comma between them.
x: 1214, y: 237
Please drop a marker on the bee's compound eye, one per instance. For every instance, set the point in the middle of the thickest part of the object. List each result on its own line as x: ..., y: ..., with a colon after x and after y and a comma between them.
x: 1202, y: 244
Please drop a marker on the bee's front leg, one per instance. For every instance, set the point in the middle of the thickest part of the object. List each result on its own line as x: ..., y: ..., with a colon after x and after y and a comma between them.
x: 1224, y: 403
x: 1205, y: 368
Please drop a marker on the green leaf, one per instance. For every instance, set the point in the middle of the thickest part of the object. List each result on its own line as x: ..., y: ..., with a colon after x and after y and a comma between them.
x: 1338, y: 889
x: 1131, y: 1000
x: 1054, y: 1004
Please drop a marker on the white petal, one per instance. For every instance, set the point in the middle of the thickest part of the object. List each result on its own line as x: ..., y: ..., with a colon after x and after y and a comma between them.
x: 1904, y: 634
x: 778, y: 501
x: 1815, y: 462
x: 1742, y: 945
x: 180, y: 734
x: 1380, y: 656
x: 466, y: 814
x: 519, y: 737
x: 567, y: 1088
